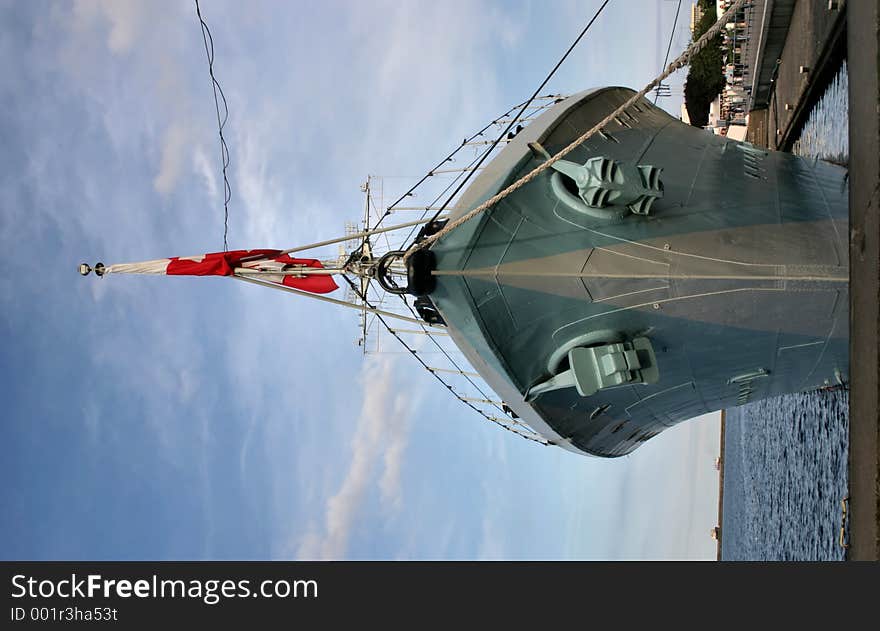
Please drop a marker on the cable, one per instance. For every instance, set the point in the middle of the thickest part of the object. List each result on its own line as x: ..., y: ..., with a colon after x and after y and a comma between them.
x: 448, y: 356
x: 668, y: 47
x: 221, y: 121
x: 467, y: 171
x: 442, y: 193
x: 527, y: 434
x: 525, y: 106
x: 441, y: 163
x: 677, y: 63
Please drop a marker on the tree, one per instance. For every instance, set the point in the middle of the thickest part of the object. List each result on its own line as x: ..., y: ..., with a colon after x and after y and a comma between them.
x: 705, y: 78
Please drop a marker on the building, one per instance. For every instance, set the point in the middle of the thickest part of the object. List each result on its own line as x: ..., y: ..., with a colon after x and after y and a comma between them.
x: 696, y: 15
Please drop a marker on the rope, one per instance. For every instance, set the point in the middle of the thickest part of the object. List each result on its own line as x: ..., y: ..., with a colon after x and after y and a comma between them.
x: 448, y: 158
x: 679, y: 62
x: 442, y: 194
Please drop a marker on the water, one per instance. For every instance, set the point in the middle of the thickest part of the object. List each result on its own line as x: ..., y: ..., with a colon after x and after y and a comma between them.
x: 785, y: 459
x: 785, y: 473
x: 826, y: 132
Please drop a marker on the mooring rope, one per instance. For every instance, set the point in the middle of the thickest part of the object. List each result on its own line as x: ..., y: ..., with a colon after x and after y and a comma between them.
x: 677, y: 63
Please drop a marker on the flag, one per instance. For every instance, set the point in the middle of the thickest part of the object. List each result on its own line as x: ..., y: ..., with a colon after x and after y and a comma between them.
x: 225, y: 264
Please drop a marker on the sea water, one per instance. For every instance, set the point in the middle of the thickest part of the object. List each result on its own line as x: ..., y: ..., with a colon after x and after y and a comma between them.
x: 826, y: 133
x: 785, y: 459
x: 785, y: 474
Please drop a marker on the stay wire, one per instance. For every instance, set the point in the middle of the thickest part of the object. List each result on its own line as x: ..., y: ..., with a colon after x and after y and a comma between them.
x: 448, y: 158
x: 469, y: 168
x: 525, y: 106
x: 448, y: 356
x: 534, y: 436
x: 442, y: 193
x: 219, y: 98
x: 668, y: 48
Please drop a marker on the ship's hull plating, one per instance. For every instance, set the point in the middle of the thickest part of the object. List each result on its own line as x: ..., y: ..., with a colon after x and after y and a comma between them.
x: 738, y: 277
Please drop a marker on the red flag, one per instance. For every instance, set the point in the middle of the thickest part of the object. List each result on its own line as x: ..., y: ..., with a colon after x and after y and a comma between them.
x: 225, y: 263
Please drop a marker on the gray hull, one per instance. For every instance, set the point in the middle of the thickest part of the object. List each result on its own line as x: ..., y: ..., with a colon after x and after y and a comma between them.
x: 722, y: 283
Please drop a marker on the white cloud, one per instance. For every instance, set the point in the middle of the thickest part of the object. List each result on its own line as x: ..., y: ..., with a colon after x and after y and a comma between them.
x: 492, y: 544
x: 206, y: 169
x: 497, y: 497
x: 395, y: 448
x: 145, y: 71
x: 126, y: 19
x: 671, y: 482
x: 380, y: 436
x: 175, y: 143
x: 431, y: 70
x: 122, y: 21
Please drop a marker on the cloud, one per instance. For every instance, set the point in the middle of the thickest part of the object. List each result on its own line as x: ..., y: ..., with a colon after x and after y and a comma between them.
x: 122, y: 20
x: 496, y: 500
x: 206, y: 170
x: 395, y: 448
x: 667, y: 480
x: 175, y: 142
x: 380, y: 435
x: 126, y: 19
x: 145, y: 70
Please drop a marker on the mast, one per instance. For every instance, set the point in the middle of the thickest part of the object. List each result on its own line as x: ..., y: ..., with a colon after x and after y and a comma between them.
x: 367, y: 252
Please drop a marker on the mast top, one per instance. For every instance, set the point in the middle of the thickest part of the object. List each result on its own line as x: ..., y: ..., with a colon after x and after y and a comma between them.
x: 85, y: 269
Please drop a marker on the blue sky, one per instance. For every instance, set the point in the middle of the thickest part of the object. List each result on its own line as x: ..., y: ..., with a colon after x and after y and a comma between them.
x: 182, y: 418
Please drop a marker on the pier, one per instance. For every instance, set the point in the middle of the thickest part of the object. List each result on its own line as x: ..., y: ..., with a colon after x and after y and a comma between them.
x: 719, y: 530
x: 863, y: 60
x: 794, y: 49
x: 802, y: 45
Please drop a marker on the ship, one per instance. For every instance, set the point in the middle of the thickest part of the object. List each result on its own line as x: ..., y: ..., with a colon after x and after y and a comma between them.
x: 601, y: 287
x: 656, y: 274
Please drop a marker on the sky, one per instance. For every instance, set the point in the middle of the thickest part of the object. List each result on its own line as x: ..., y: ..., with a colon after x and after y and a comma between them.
x: 200, y: 418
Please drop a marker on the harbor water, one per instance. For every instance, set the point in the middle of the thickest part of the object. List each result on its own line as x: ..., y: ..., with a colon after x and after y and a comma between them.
x: 785, y: 474
x: 785, y: 459
x: 826, y: 133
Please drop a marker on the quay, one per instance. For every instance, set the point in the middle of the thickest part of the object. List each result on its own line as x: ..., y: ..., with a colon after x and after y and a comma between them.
x: 719, y: 530
x: 792, y: 50
x: 802, y: 45
x: 863, y: 61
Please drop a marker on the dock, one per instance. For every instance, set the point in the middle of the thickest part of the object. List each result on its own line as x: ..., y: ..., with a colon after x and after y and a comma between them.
x: 720, y: 530
x: 863, y: 45
x: 801, y: 46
